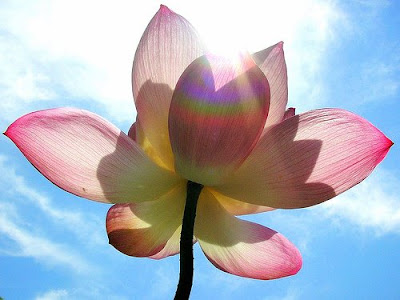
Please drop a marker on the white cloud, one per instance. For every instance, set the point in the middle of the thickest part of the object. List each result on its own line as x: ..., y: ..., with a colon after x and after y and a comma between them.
x: 381, y: 77
x: 308, y: 29
x: 226, y: 284
x: 30, y: 244
x: 165, y: 281
x: 86, y: 226
x: 308, y: 53
x: 54, y: 295
x: 373, y: 6
x: 48, y: 60
x: 88, y: 290
x: 65, y: 51
x: 290, y: 294
x: 22, y: 82
x: 372, y: 206
x: 372, y: 209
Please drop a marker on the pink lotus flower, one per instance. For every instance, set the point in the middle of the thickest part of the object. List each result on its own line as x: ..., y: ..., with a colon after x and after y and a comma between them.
x: 217, y: 122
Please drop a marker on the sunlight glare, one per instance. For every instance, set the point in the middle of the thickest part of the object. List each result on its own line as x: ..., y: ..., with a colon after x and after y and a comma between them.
x: 226, y: 47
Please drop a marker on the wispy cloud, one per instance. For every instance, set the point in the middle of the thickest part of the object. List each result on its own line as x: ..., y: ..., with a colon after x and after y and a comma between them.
x: 54, y: 295
x: 382, y: 78
x: 319, y: 28
x: 226, y: 285
x: 30, y: 244
x: 45, y: 56
x: 48, y: 58
x: 292, y: 293
x: 81, y: 292
x: 165, y: 281
x: 373, y: 6
x: 372, y: 206
x: 309, y: 29
x: 21, y: 237
x: 86, y: 226
x: 22, y: 83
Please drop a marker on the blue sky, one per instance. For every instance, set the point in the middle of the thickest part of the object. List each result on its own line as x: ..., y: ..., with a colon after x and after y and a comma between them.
x: 345, y: 54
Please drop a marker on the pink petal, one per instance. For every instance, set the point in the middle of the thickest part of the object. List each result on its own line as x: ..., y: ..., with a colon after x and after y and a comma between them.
x: 217, y: 114
x: 307, y: 159
x: 290, y: 112
x: 85, y: 155
x: 236, y: 207
x: 132, y: 132
x: 240, y: 247
x: 144, y: 229
x: 272, y: 62
x: 167, y: 47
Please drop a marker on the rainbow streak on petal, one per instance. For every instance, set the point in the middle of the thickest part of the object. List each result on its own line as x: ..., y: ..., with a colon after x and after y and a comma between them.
x: 217, y: 114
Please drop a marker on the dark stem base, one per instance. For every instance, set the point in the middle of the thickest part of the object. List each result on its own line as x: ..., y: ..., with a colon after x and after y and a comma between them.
x: 186, y: 244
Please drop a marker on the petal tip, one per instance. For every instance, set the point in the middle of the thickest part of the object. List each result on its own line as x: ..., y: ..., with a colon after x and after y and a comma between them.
x: 132, y: 132
x: 13, y: 127
x: 6, y: 132
x: 385, y: 147
x: 164, y: 9
x: 279, y: 48
x: 290, y: 112
x: 390, y: 143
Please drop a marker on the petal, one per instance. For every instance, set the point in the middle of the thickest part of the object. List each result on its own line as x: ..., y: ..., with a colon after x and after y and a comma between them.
x: 143, y: 229
x: 240, y: 247
x: 272, y: 62
x: 166, y: 48
x: 132, y: 132
x: 236, y: 207
x: 136, y: 133
x: 85, y: 155
x: 290, y: 112
x: 217, y: 114
x: 171, y: 247
x: 307, y: 159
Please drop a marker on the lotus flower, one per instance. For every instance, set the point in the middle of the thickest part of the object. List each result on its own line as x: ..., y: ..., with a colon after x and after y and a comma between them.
x: 219, y: 122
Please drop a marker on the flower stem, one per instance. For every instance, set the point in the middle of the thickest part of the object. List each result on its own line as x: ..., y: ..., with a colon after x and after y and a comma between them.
x: 186, y: 244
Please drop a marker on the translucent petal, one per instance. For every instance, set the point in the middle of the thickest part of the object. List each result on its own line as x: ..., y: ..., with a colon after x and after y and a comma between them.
x: 217, y: 114
x: 307, y: 159
x: 144, y: 229
x: 85, y: 155
x: 168, y: 45
x: 272, y: 62
x: 236, y: 207
x: 240, y: 247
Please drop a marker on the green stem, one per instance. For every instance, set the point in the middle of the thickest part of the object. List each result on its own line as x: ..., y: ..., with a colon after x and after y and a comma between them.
x: 186, y: 244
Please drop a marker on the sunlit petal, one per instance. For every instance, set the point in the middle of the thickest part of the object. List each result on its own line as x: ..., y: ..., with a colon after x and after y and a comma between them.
x: 240, y: 247
x: 166, y: 48
x: 307, y: 159
x: 171, y: 247
x: 88, y: 156
x: 236, y: 207
x: 137, y: 134
x: 216, y: 116
x: 144, y: 229
x: 272, y: 62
